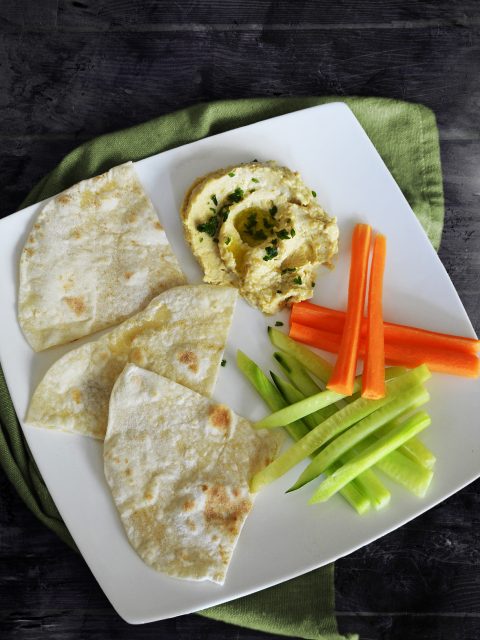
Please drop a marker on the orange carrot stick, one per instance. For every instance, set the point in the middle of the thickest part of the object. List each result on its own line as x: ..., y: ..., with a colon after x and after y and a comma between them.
x: 343, y: 374
x: 323, y: 318
x: 373, y: 378
x: 456, y: 363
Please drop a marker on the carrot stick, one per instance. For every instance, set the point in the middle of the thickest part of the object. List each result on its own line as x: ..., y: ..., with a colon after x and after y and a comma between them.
x: 443, y: 361
x: 343, y: 374
x: 373, y: 378
x: 323, y: 318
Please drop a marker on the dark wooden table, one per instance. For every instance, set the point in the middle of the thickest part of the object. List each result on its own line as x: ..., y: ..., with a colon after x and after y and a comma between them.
x: 72, y: 69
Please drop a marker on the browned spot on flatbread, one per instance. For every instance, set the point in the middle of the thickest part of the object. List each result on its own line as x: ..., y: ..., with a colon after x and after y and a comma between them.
x: 158, y: 226
x: 63, y: 198
x: 76, y: 304
x: 148, y: 495
x: 132, y: 216
x: 188, y: 505
x: 220, y: 416
x: 68, y: 285
x: 137, y: 355
x: 36, y: 226
x: 223, y: 512
x: 191, y: 524
x: 190, y: 359
x: 76, y: 395
x: 75, y: 233
x: 29, y: 251
x: 128, y: 472
x: 128, y: 274
x: 145, y: 522
x: 204, y: 487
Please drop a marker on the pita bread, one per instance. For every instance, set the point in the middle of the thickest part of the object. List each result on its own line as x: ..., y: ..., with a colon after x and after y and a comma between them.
x: 181, y: 334
x: 96, y: 254
x: 179, y: 467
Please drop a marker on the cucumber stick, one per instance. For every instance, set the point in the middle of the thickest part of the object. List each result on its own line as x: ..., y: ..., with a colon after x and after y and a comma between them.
x: 406, y: 472
x: 334, y: 425
x: 268, y: 392
x: 325, y: 398
x: 311, y: 361
x: 368, y: 483
x: 370, y: 456
x: 359, y: 431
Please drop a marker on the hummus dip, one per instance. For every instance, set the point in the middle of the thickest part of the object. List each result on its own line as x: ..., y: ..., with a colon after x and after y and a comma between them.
x: 258, y: 227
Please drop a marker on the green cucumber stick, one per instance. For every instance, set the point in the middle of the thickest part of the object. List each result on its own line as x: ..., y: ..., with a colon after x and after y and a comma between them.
x: 397, y: 465
x: 370, y: 456
x: 268, y: 392
x: 354, y: 492
x: 414, y: 448
x: 334, y: 425
x: 325, y: 398
x: 355, y: 434
x: 367, y: 483
x: 354, y: 495
x: 406, y: 472
x: 317, y: 365
x: 299, y: 377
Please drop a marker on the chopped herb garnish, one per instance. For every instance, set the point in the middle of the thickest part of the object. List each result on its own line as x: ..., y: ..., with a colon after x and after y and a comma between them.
x: 228, y: 240
x: 289, y: 269
x: 209, y: 227
x: 223, y: 363
x: 254, y: 160
x: 283, y: 234
x: 255, y: 180
x: 251, y: 190
x: 201, y: 239
x: 274, y: 241
x: 313, y: 285
x: 237, y: 195
x: 231, y: 174
x: 224, y: 211
x: 213, y: 198
x: 278, y: 291
x: 289, y: 220
x: 278, y: 323
x: 273, y: 211
x: 270, y: 253
x: 292, y: 232
x: 267, y: 224
x: 213, y: 210
x: 297, y: 280
x: 260, y: 235
x: 314, y: 194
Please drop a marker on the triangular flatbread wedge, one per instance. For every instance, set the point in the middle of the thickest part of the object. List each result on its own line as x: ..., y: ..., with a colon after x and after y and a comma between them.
x: 181, y: 334
x: 179, y: 467
x: 96, y: 254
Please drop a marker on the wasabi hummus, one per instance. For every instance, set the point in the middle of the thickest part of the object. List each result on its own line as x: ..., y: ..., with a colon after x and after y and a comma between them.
x: 258, y: 227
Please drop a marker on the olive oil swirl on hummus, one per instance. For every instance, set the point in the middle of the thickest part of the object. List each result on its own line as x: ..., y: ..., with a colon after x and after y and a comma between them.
x: 258, y: 227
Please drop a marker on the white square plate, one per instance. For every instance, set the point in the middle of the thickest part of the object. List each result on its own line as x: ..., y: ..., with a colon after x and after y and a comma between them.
x: 283, y: 536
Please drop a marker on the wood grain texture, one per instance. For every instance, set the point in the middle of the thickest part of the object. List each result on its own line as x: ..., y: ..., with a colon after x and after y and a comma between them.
x: 71, y: 69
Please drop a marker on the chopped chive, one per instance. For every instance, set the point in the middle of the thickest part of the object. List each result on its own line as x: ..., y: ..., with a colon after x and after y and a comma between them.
x: 273, y: 211
x: 297, y: 280
x: 201, y: 239
x: 231, y: 174
x: 289, y: 269
x: 223, y: 363
x: 237, y: 195
x: 228, y: 240
x: 283, y: 234
x: 270, y: 253
x: 292, y: 232
x: 209, y: 227
x: 313, y: 285
x: 213, y: 198
x: 255, y: 180
x: 278, y: 323
x: 278, y: 291
x: 314, y: 194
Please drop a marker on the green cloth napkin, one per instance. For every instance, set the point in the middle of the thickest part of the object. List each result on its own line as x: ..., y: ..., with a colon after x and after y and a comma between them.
x: 406, y: 137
